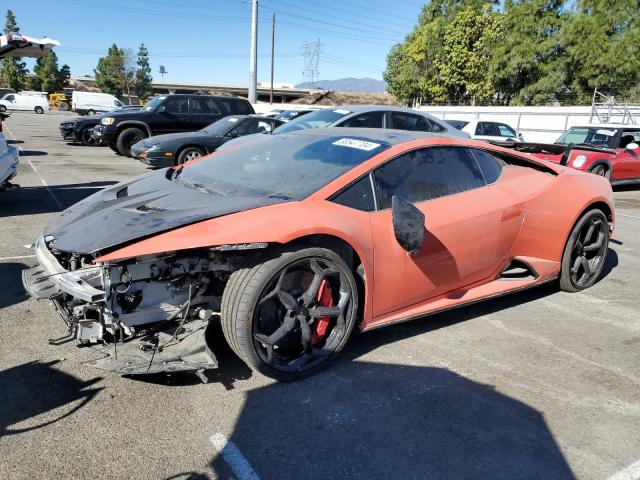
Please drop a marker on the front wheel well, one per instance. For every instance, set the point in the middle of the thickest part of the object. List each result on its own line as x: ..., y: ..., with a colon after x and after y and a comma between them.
x: 601, y: 206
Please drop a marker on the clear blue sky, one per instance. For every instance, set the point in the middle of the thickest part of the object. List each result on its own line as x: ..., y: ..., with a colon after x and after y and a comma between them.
x: 208, y: 40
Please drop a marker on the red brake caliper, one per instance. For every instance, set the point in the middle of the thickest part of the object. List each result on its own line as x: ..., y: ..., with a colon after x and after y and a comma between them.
x: 325, y: 299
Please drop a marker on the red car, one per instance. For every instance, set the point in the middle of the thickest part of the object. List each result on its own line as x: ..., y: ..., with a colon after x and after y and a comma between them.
x: 293, y: 240
x: 608, y: 150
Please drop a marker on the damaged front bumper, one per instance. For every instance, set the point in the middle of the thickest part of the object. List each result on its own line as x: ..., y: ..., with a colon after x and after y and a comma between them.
x: 147, y: 316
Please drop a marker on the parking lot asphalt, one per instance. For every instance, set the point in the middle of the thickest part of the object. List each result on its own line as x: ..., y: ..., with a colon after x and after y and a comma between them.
x: 540, y: 384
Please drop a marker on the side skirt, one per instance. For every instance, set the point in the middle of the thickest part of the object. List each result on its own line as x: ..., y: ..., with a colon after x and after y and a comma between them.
x: 426, y: 311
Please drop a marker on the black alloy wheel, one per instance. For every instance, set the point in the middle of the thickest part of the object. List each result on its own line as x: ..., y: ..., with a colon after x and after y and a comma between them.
x: 87, y: 139
x: 127, y: 138
x: 290, y: 315
x: 585, y: 253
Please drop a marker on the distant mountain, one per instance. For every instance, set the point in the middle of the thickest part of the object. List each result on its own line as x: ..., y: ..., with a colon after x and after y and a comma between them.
x: 348, y: 85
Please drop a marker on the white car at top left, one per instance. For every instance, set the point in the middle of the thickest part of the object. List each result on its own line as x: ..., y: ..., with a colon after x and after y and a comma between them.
x: 8, y: 164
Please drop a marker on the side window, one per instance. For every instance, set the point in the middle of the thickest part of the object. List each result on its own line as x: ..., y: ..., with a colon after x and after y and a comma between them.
x: 427, y: 174
x: 242, y: 107
x: 203, y: 105
x: 226, y: 106
x: 491, y: 167
x: 264, y: 127
x: 506, y: 130
x: 246, y: 127
x: 409, y: 121
x: 10, y: 98
x: 436, y: 127
x: 366, y: 120
x: 629, y: 136
x: 118, y: 103
x: 487, y: 128
x: 177, y: 105
x: 358, y: 196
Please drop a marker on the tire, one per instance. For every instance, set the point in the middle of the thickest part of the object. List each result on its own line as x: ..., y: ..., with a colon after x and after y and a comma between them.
x: 114, y: 147
x: 64, y: 107
x: 87, y: 139
x: 585, y: 253
x: 601, y: 170
x: 188, y: 154
x: 127, y: 138
x: 91, y: 112
x: 39, y: 110
x: 253, y: 311
x: 3, y: 108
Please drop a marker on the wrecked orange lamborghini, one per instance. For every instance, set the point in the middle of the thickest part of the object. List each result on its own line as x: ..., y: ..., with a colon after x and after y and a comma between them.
x: 293, y: 240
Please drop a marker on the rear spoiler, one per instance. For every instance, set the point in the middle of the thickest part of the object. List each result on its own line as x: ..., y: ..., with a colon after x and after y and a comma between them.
x: 551, y: 148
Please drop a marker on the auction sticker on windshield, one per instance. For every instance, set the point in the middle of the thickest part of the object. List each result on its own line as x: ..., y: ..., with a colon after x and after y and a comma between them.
x: 359, y: 144
x: 341, y: 111
x: 608, y: 133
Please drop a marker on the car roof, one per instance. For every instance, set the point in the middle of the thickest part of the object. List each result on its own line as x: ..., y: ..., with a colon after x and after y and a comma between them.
x: 606, y: 125
x: 386, y: 135
x: 368, y: 108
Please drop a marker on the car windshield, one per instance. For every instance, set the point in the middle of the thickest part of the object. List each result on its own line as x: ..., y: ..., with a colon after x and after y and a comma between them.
x: 596, y: 136
x: 221, y: 127
x: 152, y: 104
x: 318, y: 119
x: 457, y: 124
x: 289, y: 166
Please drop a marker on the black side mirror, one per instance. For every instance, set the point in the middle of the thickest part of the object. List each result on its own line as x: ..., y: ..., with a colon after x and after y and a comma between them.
x: 408, y: 224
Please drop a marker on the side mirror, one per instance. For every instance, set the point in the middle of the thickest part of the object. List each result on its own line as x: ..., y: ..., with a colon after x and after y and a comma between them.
x: 408, y: 224
x: 632, y: 146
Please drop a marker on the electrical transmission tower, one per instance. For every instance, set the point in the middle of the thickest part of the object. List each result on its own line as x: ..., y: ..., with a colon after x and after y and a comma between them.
x: 311, y: 52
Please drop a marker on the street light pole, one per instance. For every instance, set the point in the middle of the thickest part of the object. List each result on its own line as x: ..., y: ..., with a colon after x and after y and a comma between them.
x: 273, y: 51
x: 253, y: 58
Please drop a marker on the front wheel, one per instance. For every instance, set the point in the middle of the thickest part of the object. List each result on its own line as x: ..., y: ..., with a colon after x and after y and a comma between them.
x: 289, y: 314
x: 188, y: 154
x: 127, y: 138
x: 3, y: 108
x: 91, y: 112
x: 585, y: 253
x: 39, y: 110
x: 601, y: 170
x: 87, y: 139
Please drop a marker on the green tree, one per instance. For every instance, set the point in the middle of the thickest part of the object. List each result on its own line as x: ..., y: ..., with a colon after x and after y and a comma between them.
x: 110, y: 71
x: 47, y: 76
x: 143, y: 74
x: 468, y: 42
x: 601, y: 40
x: 527, y: 65
x: 414, y: 66
x: 13, y: 71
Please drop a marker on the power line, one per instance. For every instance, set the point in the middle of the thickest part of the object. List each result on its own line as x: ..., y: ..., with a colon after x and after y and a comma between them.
x: 369, y: 10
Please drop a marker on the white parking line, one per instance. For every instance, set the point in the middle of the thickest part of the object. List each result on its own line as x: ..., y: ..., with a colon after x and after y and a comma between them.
x: 632, y: 472
x: 233, y: 457
x: 19, y: 257
x: 49, y: 191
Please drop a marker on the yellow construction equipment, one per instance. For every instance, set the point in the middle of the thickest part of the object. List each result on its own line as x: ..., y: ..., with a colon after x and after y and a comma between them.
x: 59, y: 101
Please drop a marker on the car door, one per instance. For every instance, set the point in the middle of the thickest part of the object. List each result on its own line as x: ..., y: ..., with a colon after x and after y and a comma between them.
x: 627, y: 162
x: 171, y: 115
x: 410, y: 121
x: 467, y: 234
x: 365, y: 120
x: 203, y: 111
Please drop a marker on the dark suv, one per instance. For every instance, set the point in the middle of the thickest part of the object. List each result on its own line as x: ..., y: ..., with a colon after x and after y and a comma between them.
x: 166, y: 114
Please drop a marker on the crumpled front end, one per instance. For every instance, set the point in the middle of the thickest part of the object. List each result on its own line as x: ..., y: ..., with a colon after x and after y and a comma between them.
x: 144, y: 315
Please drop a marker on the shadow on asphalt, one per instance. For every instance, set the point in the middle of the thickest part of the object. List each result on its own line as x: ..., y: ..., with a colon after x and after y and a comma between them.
x: 371, y: 420
x: 33, y: 389
x: 14, y: 142
x: 610, y: 263
x: 33, y: 153
x: 35, y: 200
x: 11, y: 290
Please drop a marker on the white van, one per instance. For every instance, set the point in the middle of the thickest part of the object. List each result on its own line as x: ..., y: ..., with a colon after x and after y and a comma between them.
x: 24, y: 101
x: 89, y: 103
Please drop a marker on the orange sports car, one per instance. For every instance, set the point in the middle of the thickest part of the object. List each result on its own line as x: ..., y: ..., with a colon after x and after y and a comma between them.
x: 293, y: 240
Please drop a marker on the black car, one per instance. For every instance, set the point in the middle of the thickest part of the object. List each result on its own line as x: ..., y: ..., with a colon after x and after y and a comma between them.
x: 79, y: 129
x: 177, y: 148
x: 166, y: 114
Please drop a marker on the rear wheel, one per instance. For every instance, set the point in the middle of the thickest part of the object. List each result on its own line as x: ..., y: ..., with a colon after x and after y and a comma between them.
x: 91, y: 112
x: 3, y: 108
x: 63, y: 106
x: 188, y: 154
x: 127, y: 138
x: 601, y: 170
x: 585, y: 253
x: 38, y: 110
x: 289, y: 314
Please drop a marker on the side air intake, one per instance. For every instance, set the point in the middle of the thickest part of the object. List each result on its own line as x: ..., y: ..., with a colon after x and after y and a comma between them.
x: 518, y: 270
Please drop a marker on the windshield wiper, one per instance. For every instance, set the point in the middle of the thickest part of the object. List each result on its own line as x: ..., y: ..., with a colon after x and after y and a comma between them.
x: 194, y: 185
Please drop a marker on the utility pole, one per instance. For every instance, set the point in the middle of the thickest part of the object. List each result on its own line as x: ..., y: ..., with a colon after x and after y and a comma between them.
x: 253, y: 58
x: 273, y: 51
